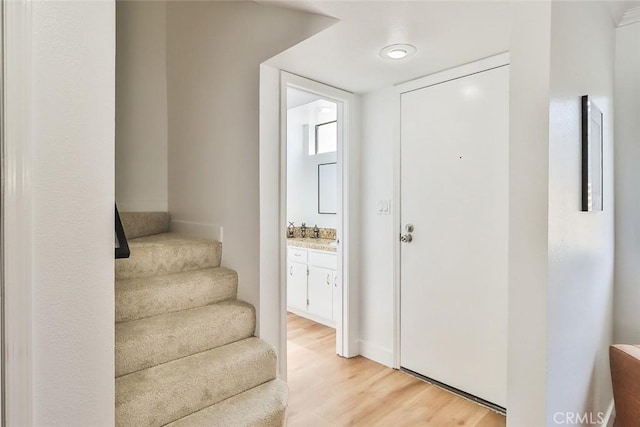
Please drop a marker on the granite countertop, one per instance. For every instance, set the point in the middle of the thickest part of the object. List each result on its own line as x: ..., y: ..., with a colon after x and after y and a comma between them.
x: 311, y: 243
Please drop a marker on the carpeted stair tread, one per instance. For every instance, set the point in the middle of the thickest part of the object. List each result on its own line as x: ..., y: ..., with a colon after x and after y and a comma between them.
x: 149, y: 342
x: 264, y: 405
x: 168, y: 253
x: 140, y: 224
x: 173, y: 390
x: 138, y: 298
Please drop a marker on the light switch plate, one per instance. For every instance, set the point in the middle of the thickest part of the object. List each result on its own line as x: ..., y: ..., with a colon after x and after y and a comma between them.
x: 384, y: 207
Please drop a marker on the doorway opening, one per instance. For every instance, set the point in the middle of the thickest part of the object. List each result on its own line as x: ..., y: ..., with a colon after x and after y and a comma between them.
x: 313, y: 140
x: 312, y: 206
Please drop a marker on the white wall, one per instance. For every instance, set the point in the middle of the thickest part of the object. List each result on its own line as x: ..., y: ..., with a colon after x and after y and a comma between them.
x: 272, y: 251
x: 141, y: 106
x: 214, y: 50
x: 529, y: 113
x: 379, y: 113
x: 627, y: 177
x: 302, y: 168
x: 72, y: 168
x: 560, y: 258
x: 16, y: 215
x: 581, y: 244
x: 528, y: 212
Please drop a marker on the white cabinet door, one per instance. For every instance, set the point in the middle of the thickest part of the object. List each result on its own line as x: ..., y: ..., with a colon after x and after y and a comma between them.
x: 320, y: 292
x: 297, y: 285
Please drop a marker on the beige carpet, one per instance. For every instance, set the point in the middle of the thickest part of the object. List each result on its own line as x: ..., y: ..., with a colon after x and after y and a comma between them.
x: 185, y: 352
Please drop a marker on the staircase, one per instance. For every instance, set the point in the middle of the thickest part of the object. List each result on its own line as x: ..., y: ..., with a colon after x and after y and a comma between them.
x: 185, y: 354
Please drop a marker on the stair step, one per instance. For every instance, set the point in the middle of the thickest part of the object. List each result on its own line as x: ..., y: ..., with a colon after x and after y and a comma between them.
x: 173, y: 390
x: 264, y: 405
x: 140, y: 224
x: 149, y: 342
x: 138, y: 298
x: 168, y: 253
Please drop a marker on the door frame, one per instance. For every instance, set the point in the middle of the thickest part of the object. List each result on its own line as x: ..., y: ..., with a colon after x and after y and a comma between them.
x: 454, y: 73
x: 347, y: 230
x: 16, y: 222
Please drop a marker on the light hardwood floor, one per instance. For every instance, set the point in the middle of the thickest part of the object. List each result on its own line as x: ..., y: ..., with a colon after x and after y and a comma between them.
x: 328, y: 390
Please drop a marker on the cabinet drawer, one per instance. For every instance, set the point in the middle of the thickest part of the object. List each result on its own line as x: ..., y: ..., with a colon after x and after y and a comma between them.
x: 297, y: 255
x: 323, y: 259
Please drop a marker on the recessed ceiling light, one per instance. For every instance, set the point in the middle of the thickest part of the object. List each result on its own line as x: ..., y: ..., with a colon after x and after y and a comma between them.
x: 397, y: 51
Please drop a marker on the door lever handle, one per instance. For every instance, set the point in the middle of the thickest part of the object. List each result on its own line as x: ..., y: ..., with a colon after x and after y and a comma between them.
x: 407, y: 238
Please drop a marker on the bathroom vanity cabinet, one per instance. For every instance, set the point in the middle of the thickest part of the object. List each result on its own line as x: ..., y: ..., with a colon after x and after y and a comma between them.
x: 312, y: 284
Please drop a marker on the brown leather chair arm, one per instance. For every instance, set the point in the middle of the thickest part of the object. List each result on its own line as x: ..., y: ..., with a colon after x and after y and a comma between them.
x: 625, y: 377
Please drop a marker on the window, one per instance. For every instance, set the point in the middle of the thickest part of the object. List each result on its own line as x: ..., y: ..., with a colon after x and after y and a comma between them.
x: 326, y: 137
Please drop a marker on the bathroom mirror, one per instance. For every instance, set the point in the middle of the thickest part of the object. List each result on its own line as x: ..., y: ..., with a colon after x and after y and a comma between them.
x: 327, y: 188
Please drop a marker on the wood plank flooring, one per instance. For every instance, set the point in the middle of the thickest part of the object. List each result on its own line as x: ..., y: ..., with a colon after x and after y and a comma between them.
x: 328, y: 390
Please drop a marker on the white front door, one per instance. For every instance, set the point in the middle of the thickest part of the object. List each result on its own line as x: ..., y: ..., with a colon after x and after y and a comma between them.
x: 454, y: 191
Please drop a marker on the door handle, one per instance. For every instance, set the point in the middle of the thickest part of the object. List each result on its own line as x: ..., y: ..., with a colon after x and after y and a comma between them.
x: 291, y: 271
x: 329, y: 279
x: 407, y: 238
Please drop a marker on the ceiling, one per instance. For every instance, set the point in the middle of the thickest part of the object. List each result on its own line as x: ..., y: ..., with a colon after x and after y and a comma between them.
x: 346, y: 55
x: 296, y: 97
x: 447, y: 33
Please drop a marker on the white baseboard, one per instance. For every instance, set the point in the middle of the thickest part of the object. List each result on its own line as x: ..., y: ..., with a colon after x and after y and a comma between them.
x: 376, y: 353
x: 197, y: 229
x: 609, y: 416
